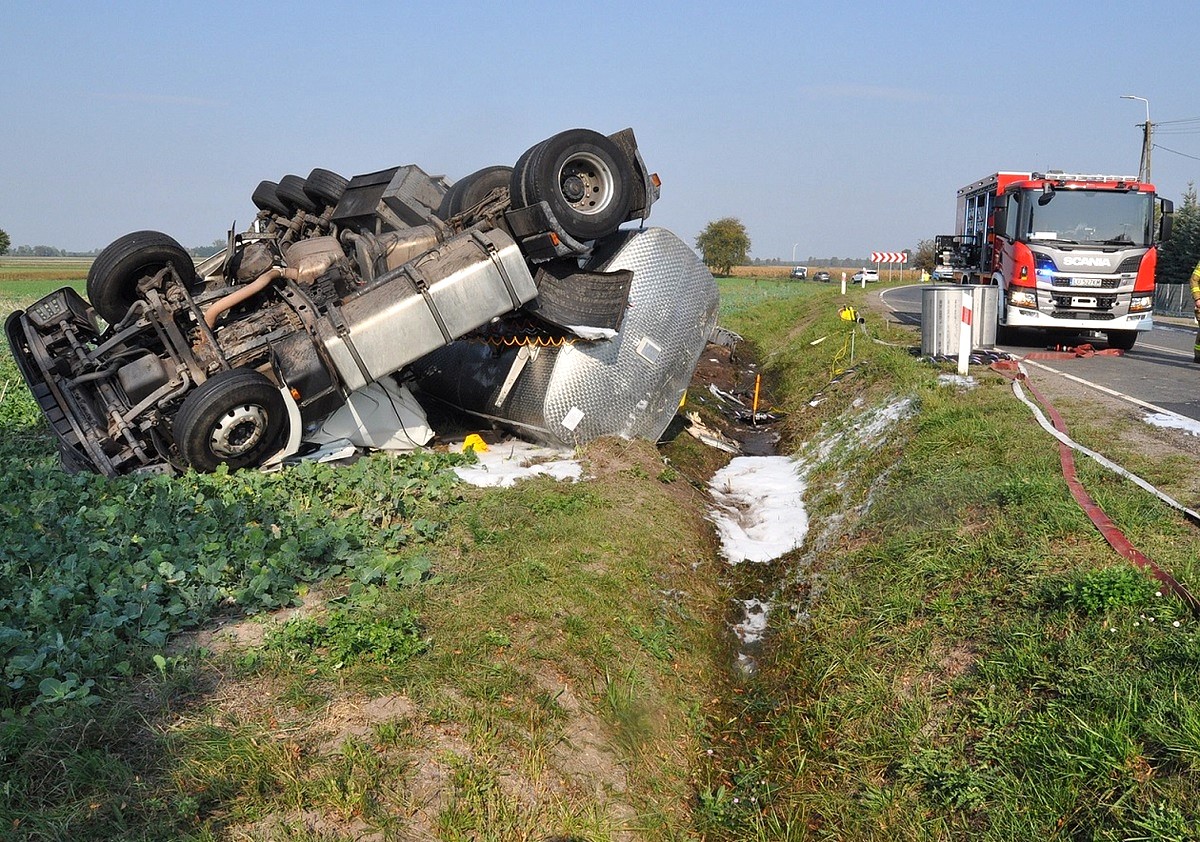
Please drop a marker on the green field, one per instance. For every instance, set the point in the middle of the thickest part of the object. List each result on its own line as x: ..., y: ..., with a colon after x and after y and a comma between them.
x: 380, y: 652
x: 25, y: 280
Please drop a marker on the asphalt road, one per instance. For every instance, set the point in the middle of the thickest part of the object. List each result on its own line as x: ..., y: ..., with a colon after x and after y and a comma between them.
x: 1158, y: 372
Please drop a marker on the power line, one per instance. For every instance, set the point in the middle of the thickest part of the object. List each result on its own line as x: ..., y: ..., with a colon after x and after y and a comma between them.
x: 1176, y: 152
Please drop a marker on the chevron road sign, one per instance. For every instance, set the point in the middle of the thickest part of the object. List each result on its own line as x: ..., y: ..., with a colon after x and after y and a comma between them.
x: 889, y: 257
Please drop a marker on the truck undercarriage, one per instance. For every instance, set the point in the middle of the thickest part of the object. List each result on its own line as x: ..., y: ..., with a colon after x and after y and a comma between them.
x: 340, y: 283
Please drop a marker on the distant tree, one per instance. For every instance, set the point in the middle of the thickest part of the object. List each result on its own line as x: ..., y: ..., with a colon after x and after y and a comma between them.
x: 5, y: 242
x: 922, y: 257
x: 1181, y: 253
x: 724, y: 244
x: 208, y: 251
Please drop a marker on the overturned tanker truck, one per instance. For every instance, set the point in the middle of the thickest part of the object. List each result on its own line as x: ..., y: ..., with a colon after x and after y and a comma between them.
x: 513, y: 293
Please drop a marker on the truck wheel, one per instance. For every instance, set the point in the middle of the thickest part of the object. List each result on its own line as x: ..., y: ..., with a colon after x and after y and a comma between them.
x: 325, y: 186
x: 1121, y: 339
x: 235, y: 418
x: 112, y: 281
x: 291, y: 191
x: 585, y: 178
x: 265, y: 198
x: 472, y: 189
x: 1005, y: 334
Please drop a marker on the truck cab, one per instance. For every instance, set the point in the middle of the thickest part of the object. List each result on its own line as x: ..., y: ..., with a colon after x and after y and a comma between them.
x: 1071, y: 252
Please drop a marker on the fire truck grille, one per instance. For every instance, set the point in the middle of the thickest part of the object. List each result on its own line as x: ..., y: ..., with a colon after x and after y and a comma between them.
x: 1082, y: 316
x: 1103, y: 302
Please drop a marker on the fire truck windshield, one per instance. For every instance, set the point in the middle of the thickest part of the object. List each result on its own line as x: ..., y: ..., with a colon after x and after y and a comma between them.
x: 1093, y: 217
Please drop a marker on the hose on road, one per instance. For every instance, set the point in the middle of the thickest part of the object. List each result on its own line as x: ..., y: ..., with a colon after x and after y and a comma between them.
x: 1111, y: 532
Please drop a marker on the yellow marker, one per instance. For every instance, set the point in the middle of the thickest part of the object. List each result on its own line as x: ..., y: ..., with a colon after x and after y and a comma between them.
x: 474, y: 442
x: 754, y: 409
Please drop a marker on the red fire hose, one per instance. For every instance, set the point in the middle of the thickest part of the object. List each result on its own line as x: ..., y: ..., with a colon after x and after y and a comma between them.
x: 1111, y: 532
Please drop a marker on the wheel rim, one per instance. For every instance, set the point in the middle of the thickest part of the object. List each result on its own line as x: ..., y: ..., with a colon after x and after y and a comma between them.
x: 238, y: 431
x: 587, y: 183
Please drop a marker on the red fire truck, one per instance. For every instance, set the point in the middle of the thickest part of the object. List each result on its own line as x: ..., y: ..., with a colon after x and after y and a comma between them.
x: 1068, y: 251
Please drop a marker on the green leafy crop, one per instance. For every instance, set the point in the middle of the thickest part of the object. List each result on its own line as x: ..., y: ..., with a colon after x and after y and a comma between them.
x: 97, y: 574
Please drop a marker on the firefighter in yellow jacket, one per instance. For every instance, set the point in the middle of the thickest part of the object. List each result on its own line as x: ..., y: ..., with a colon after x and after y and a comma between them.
x: 1196, y: 301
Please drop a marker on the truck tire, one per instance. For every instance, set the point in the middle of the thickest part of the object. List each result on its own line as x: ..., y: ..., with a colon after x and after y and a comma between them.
x: 266, y: 199
x: 291, y: 192
x: 472, y: 189
x: 325, y: 187
x: 583, y: 176
x: 236, y: 418
x: 1005, y: 334
x: 112, y: 281
x: 1121, y: 339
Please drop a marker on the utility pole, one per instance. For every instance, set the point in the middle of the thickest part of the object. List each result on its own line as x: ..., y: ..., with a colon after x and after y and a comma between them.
x: 1147, y: 145
x: 1147, y: 139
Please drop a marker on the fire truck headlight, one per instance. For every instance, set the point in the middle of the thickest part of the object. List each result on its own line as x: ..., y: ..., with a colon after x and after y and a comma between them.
x: 1141, y: 303
x: 1022, y: 298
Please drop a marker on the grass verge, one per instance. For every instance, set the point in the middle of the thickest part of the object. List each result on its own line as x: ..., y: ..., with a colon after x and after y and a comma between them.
x: 379, y: 653
x: 956, y: 652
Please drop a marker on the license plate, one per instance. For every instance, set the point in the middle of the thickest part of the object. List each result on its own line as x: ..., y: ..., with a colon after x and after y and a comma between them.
x: 1086, y: 282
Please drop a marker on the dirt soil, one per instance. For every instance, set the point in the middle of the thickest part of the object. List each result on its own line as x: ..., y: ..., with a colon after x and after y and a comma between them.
x: 725, y: 385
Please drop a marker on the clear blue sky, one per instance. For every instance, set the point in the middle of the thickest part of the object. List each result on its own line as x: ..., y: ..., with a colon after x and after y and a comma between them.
x: 835, y: 129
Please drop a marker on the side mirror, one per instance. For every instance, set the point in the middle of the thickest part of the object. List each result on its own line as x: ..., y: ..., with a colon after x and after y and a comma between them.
x: 1167, y: 209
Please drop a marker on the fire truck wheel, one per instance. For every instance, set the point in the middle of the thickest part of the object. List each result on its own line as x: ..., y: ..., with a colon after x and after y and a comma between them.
x: 235, y: 418
x: 1121, y: 339
x: 291, y: 191
x: 583, y: 176
x: 472, y: 189
x: 325, y: 187
x: 112, y: 281
x: 266, y: 199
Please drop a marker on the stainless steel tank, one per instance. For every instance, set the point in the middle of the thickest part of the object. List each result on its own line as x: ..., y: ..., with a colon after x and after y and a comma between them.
x: 629, y: 385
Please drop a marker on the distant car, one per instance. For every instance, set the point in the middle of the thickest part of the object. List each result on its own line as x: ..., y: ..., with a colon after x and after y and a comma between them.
x: 800, y: 273
x: 821, y: 276
x: 869, y: 275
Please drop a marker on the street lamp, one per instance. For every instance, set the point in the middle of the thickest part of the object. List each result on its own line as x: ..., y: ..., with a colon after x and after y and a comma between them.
x: 1144, y: 166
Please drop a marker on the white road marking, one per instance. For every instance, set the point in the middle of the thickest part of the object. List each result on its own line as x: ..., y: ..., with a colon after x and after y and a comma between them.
x: 1173, y: 351
x: 1100, y: 388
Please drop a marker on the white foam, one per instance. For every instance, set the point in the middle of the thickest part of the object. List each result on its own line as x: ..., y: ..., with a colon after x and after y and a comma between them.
x: 507, y: 462
x: 754, y: 626
x: 759, y: 507
x: 1176, y: 422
